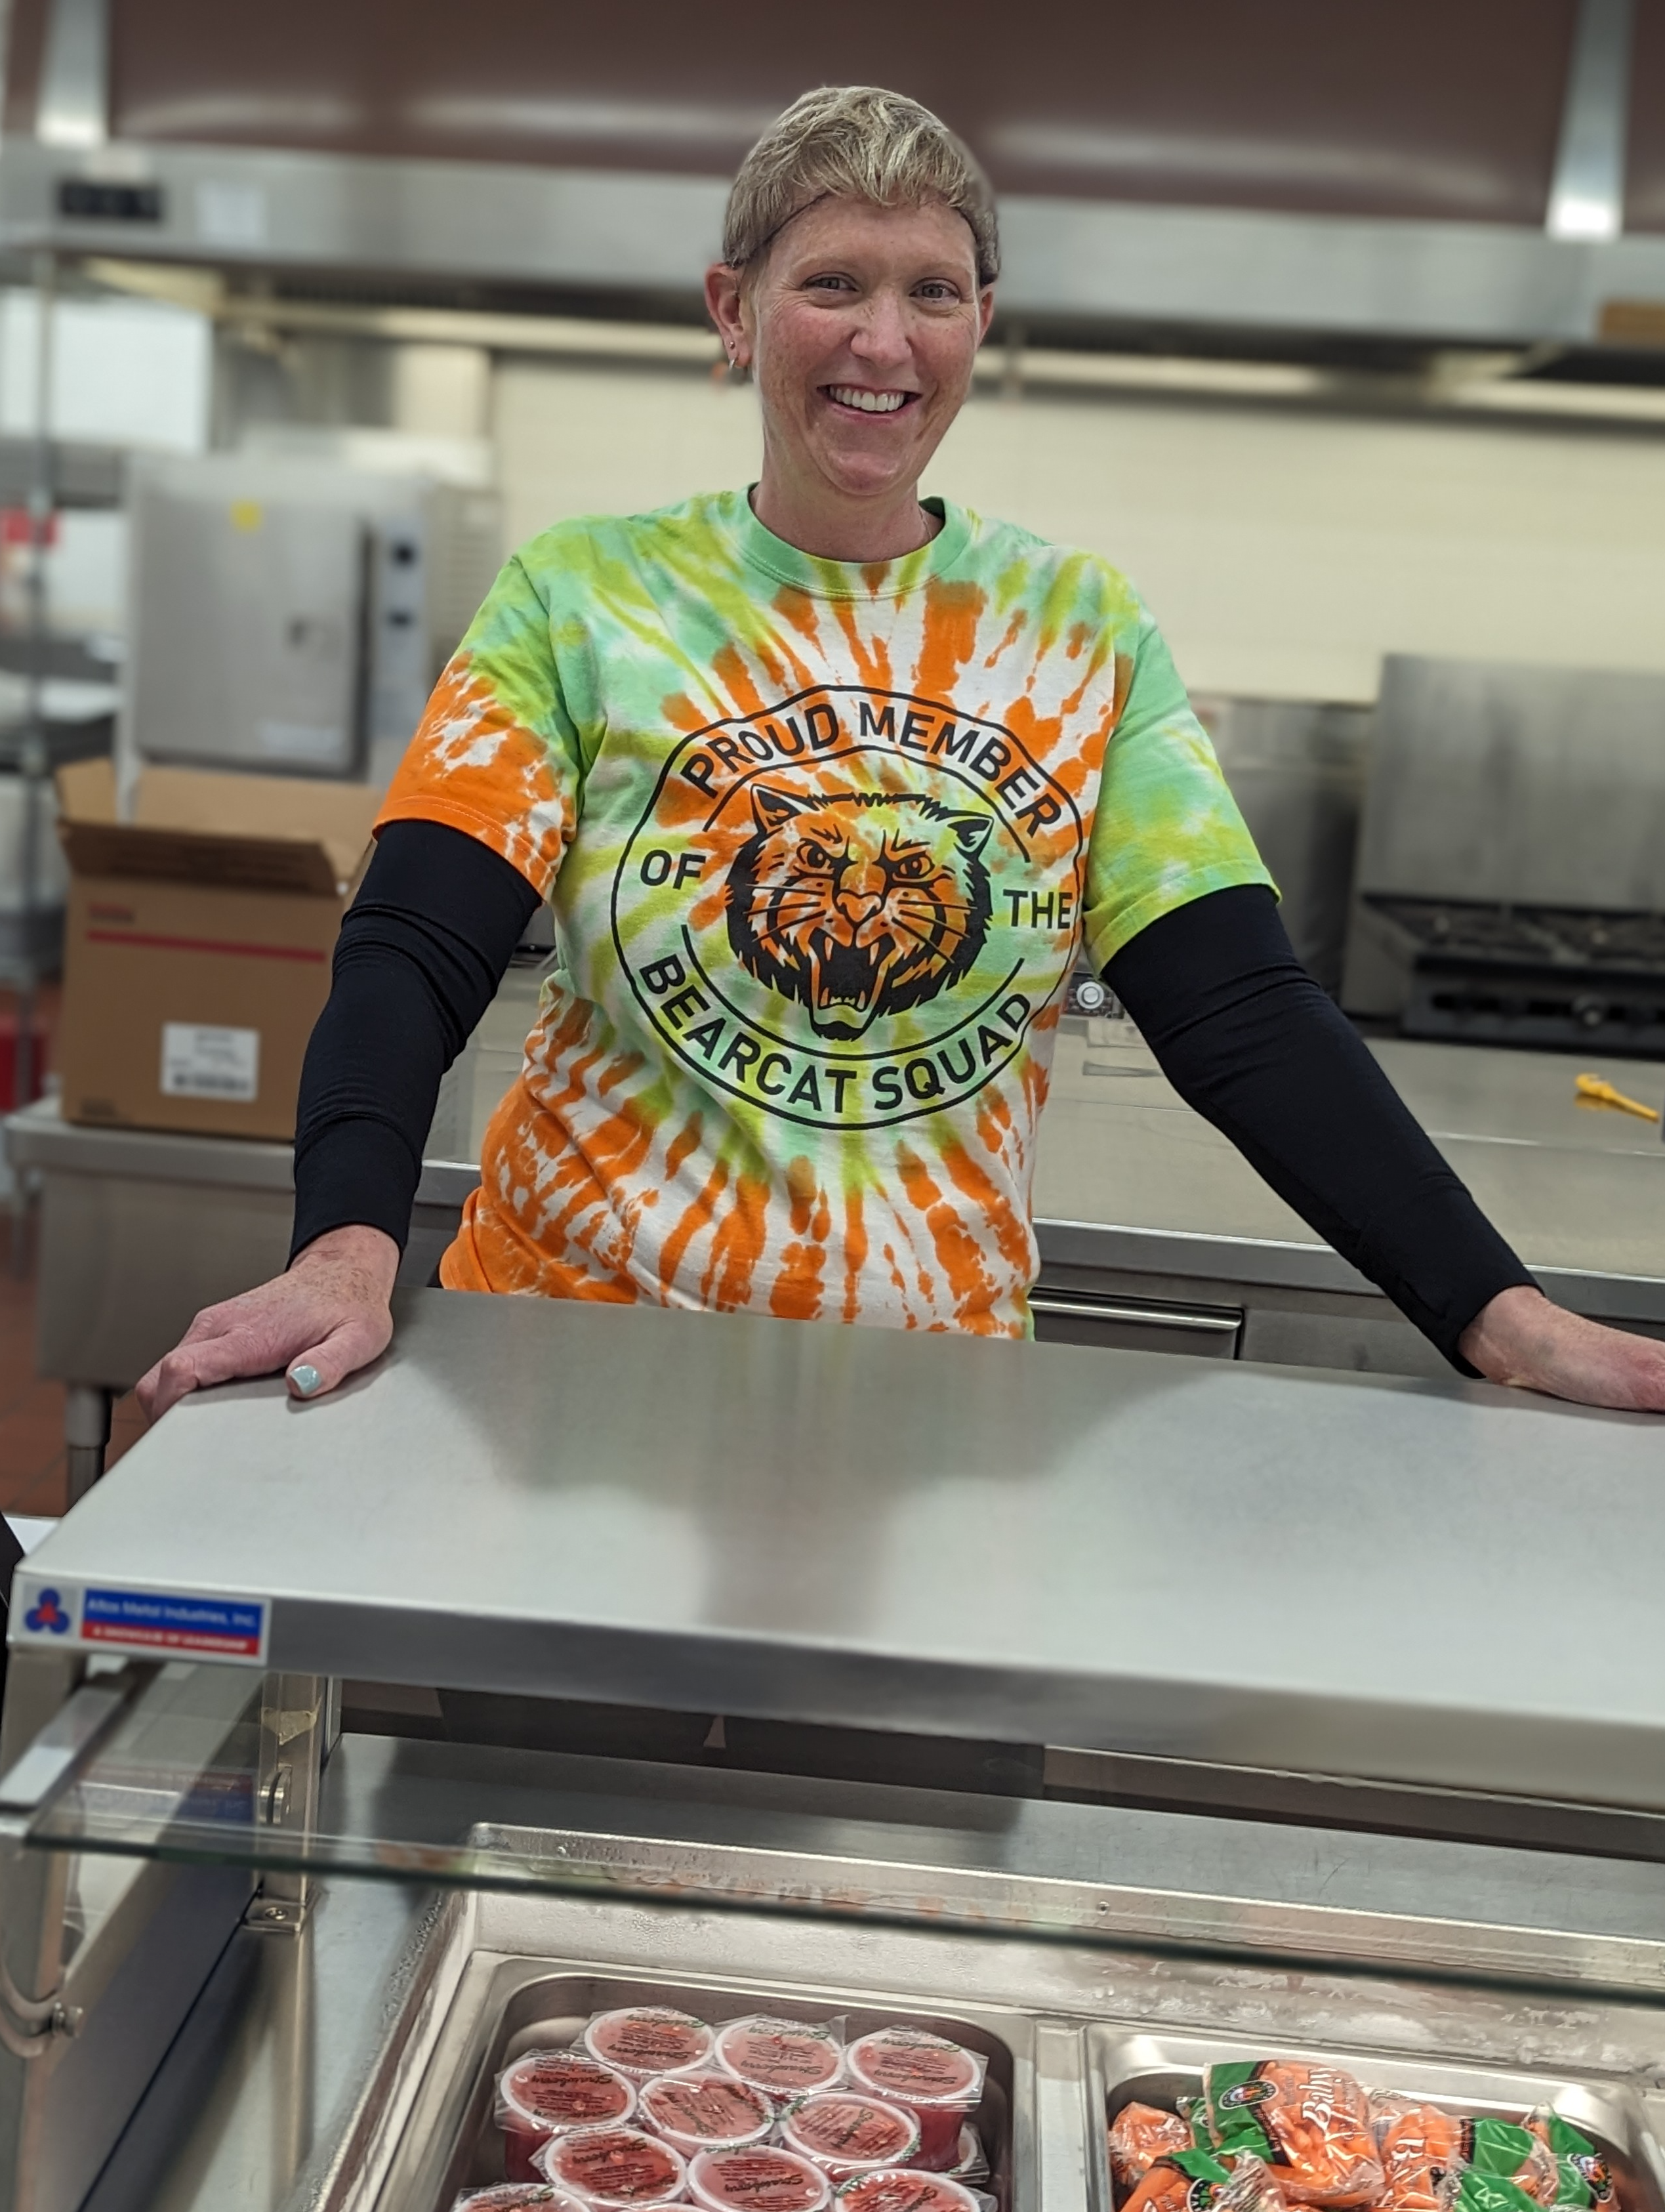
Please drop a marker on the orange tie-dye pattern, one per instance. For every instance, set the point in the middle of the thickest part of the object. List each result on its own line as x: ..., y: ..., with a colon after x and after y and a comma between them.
x: 822, y: 845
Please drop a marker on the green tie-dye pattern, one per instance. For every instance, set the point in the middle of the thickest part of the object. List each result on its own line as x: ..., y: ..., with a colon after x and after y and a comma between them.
x: 642, y: 697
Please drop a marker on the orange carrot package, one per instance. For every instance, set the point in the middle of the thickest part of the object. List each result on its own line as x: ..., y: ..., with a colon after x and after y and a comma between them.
x: 1204, y: 2181
x: 1311, y: 2124
x: 1584, y: 2180
x: 1425, y: 2152
x: 1140, y: 2135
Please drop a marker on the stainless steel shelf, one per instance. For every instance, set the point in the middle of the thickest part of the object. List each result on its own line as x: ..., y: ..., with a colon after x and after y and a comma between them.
x: 1266, y: 1567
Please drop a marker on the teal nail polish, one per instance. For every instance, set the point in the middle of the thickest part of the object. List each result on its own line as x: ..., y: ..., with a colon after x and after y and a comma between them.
x: 307, y: 1380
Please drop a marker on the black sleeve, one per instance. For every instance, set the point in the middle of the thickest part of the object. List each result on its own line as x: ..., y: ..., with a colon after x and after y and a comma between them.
x: 421, y: 951
x: 1247, y: 1037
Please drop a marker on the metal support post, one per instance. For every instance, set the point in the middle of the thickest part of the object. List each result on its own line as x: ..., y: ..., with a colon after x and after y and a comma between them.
x: 32, y: 759
x: 294, y: 1721
x: 86, y: 1435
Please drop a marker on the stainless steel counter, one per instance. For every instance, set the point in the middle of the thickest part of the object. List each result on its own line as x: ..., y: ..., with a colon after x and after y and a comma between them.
x: 1445, y: 1588
x: 1152, y: 1230
x: 1028, y: 1542
x: 1139, y: 1200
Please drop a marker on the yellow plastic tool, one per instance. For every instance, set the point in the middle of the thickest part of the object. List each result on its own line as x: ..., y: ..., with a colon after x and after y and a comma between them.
x: 1595, y: 1090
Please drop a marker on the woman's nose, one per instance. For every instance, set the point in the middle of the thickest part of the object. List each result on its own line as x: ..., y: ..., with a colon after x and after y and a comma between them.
x: 882, y: 335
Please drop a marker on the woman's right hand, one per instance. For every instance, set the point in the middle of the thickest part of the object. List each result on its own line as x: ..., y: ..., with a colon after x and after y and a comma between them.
x: 321, y: 1322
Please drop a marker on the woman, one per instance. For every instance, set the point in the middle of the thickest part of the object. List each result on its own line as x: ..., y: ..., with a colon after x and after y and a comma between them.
x: 826, y: 785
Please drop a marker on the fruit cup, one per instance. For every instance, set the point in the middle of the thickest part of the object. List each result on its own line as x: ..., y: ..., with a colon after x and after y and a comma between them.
x: 544, y: 2093
x: 763, y: 2178
x: 642, y: 2040
x: 941, y: 2083
x: 704, y: 2112
x: 846, y: 2132
x: 784, y: 2058
x: 613, y: 2169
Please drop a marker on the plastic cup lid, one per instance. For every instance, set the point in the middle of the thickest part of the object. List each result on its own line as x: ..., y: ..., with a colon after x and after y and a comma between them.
x: 706, y: 2110
x: 642, y: 2040
x: 760, y: 2179
x: 918, y: 2067
x: 613, y: 2167
x: 845, y: 2128
x: 782, y: 2055
x: 903, y: 2189
x: 517, y: 2196
x: 566, y: 2089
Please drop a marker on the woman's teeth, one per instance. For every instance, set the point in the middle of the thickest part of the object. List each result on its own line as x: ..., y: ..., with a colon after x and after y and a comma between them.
x: 870, y: 402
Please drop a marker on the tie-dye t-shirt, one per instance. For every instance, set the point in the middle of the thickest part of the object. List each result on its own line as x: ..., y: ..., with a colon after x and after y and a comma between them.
x: 822, y: 841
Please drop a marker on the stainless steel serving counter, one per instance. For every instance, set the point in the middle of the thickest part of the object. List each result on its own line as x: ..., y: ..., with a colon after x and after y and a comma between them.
x: 735, y: 1515
x: 300, y: 2028
x: 1445, y: 1586
x: 1153, y: 1230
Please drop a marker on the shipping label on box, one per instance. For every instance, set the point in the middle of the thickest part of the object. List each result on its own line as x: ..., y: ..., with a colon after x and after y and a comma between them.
x: 200, y: 1060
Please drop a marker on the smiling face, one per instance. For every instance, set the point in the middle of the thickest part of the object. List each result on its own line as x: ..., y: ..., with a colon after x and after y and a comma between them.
x: 861, y: 324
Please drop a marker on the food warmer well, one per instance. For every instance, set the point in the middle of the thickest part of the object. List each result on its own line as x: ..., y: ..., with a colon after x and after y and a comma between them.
x: 1112, y: 1716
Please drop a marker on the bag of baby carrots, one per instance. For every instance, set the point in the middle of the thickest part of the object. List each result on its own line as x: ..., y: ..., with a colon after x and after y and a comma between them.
x: 1140, y: 2135
x: 1311, y: 2124
x: 1489, y: 2192
x: 1201, y: 2180
x: 1584, y: 2179
x: 1424, y: 2153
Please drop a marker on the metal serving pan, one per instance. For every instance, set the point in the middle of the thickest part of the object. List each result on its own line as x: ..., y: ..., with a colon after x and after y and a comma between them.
x: 1125, y: 2064
x: 1071, y: 2029
x: 508, y: 2005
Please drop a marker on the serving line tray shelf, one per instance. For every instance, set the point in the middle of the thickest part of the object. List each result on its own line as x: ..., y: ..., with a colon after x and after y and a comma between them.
x: 1028, y: 1543
x: 1438, y: 1586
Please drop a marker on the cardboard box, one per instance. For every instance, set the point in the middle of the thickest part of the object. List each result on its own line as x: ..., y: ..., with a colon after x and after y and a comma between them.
x: 198, y: 943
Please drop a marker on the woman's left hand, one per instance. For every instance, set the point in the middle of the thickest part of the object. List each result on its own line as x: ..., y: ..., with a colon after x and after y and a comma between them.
x: 1521, y: 1339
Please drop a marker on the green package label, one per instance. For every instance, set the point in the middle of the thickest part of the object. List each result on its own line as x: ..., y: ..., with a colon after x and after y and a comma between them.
x: 1204, y: 2173
x: 1236, y: 2096
x: 1583, y: 2178
x: 1200, y: 2163
x: 1490, y: 2192
x: 1498, y: 2147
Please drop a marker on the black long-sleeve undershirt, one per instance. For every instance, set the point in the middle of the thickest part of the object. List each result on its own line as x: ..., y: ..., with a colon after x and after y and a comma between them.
x: 421, y: 953
x: 1238, y: 1026
x: 1247, y: 1038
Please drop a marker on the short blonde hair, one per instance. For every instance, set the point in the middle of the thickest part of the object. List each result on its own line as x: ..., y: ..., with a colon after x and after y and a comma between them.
x: 856, y: 141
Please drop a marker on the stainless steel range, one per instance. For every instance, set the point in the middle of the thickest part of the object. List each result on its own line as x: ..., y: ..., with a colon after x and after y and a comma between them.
x: 1538, y: 975
x: 1510, y: 886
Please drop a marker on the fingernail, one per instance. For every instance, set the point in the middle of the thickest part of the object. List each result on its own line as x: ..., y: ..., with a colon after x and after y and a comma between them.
x: 307, y: 1380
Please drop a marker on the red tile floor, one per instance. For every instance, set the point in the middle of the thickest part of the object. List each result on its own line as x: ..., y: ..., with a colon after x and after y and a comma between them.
x: 32, y: 1412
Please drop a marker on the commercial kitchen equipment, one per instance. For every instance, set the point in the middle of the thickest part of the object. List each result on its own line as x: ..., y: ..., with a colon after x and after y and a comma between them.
x: 291, y: 614
x: 1304, y: 174
x: 251, y: 1960
x: 1298, y: 769
x: 1510, y: 885
x: 1153, y: 1230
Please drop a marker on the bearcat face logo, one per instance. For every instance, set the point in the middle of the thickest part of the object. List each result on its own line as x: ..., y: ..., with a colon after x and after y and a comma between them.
x: 859, y: 905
